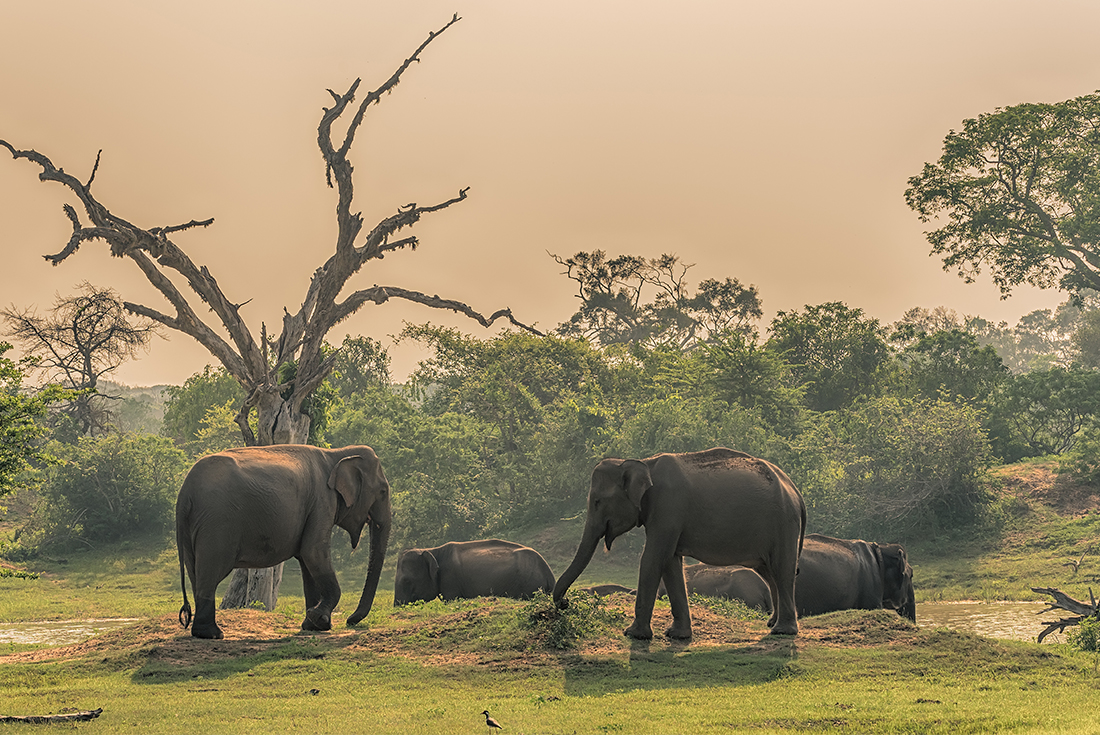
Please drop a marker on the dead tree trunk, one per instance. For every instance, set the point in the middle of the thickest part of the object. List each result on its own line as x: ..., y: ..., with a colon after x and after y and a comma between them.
x: 1062, y: 601
x: 256, y: 364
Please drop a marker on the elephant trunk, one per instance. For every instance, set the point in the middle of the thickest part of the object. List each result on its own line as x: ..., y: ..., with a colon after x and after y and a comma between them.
x: 379, y: 539
x: 585, y: 550
x: 909, y: 610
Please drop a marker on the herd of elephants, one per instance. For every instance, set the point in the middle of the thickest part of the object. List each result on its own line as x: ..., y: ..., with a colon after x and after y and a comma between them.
x: 739, y: 515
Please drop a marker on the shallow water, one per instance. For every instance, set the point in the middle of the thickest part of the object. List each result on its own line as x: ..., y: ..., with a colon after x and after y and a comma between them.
x: 1019, y: 621
x: 58, y: 632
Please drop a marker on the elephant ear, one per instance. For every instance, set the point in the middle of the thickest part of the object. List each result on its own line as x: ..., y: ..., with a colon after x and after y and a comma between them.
x: 346, y: 479
x: 636, y: 481
x: 433, y: 569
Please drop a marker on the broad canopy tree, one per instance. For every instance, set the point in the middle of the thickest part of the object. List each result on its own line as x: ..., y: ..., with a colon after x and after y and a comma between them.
x: 257, y: 363
x: 614, y: 310
x: 1018, y: 192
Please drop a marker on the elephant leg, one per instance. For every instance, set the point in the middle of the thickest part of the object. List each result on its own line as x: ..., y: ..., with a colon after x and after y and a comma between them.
x: 210, y: 569
x: 677, y: 596
x: 323, y: 590
x: 654, y: 558
x: 781, y: 580
x: 309, y: 587
x: 773, y: 592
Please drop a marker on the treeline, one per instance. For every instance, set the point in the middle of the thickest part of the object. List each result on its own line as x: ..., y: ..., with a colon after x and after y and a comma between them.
x: 887, y: 429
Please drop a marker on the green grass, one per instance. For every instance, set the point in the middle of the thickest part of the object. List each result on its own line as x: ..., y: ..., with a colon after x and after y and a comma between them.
x: 432, y: 668
x: 908, y: 681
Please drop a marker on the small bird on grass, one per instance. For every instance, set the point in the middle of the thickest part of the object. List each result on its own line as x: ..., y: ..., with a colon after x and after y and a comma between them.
x: 490, y: 722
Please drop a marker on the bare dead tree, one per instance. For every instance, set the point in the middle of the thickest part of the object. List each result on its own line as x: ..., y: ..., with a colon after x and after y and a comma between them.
x: 82, y: 338
x: 1062, y: 601
x: 255, y: 363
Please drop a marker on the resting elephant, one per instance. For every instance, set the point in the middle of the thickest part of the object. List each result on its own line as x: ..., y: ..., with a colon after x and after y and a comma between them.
x: 259, y: 506
x: 464, y: 569
x: 720, y: 506
x: 734, y: 583
x: 834, y: 574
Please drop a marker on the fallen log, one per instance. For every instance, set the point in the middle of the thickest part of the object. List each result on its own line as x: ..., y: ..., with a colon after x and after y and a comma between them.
x: 49, y: 719
x: 1062, y: 601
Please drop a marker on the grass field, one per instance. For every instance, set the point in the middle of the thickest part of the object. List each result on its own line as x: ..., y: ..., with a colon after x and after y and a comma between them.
x: 433, y: 668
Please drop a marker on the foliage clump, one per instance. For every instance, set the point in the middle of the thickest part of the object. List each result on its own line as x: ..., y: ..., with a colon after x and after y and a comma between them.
x: 584, y: 617
x: 1085, y: 636
x: 106, y: 489
x: 735, y: 609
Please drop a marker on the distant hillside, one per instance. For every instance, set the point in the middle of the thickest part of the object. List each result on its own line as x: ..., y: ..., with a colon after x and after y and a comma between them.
x: 137, y: 408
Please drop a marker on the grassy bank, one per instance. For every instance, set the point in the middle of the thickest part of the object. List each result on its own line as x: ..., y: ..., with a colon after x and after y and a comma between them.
x: 433, y: 668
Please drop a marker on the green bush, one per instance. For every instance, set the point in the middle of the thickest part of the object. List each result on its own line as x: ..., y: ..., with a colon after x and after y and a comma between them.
x: 897, y: 465
x: 105, y: 489
x: 583, y: 617
x: 1082, y: 462
x: 1085, y: 636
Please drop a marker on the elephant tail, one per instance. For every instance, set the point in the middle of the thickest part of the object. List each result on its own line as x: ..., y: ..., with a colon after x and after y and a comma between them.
x: 185, y: 611
x: 801, y: 533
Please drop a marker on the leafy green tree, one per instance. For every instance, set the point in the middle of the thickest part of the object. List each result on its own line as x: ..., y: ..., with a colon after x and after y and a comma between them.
x: 217, y: 431
x: 897, y: 465
x: 361, y: 363
x: 1086, y: 339
x: 674, y: 425
x: 21, y: 432
x: 1082, y: 462
x: 952, y: 361
x: 614, y: 309
x: 754, y: 377
x: 834, y: 351
x: 106, y: 489
x: 1045, y: 409
x: 1018, y: 191
x: 506, y: 381
x: 187, y: 405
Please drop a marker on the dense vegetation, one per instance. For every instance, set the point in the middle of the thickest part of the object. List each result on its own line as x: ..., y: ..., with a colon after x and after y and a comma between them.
x: 888, y: 430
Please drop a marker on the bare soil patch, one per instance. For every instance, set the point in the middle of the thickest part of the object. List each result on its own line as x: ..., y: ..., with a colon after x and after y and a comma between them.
x: 252, y: 632
x: 1040, y: 483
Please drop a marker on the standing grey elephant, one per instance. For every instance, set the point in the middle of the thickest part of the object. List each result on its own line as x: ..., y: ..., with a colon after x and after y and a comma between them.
x: 833, y: 574
x: 719, y: 506
x: 464, y: 569
x: 259, y: 506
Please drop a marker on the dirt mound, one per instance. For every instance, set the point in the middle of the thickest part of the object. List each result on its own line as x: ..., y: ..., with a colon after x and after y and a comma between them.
x: 1040, y: 483
x: 246, y: 632
x: 448, y: 639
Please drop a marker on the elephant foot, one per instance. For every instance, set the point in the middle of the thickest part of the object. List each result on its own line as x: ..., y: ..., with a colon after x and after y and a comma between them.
x: 640, y: 632
x: 786, y: 629
x: 679, y: 632
x: 210, y: 631
x: 317, y: 621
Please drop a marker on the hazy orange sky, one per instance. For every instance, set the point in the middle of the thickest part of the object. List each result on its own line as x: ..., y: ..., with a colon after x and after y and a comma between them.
x: 770, y: 142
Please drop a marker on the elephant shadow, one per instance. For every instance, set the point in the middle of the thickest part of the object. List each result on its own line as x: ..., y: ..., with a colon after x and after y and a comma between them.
x: 186, y: 658
x: 668, y: 664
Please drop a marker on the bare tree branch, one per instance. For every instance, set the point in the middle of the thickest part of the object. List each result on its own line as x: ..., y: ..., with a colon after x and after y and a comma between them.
x: 1062, y: 601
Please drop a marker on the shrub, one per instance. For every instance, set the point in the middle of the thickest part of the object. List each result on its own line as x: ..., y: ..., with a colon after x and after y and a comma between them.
x: 898, y: 465
x: 584, y: 617
x: 107, y: 488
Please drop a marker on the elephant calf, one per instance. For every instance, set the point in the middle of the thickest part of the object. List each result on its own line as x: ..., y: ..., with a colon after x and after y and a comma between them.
x: 833, y: 574
x: 465, y: 569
